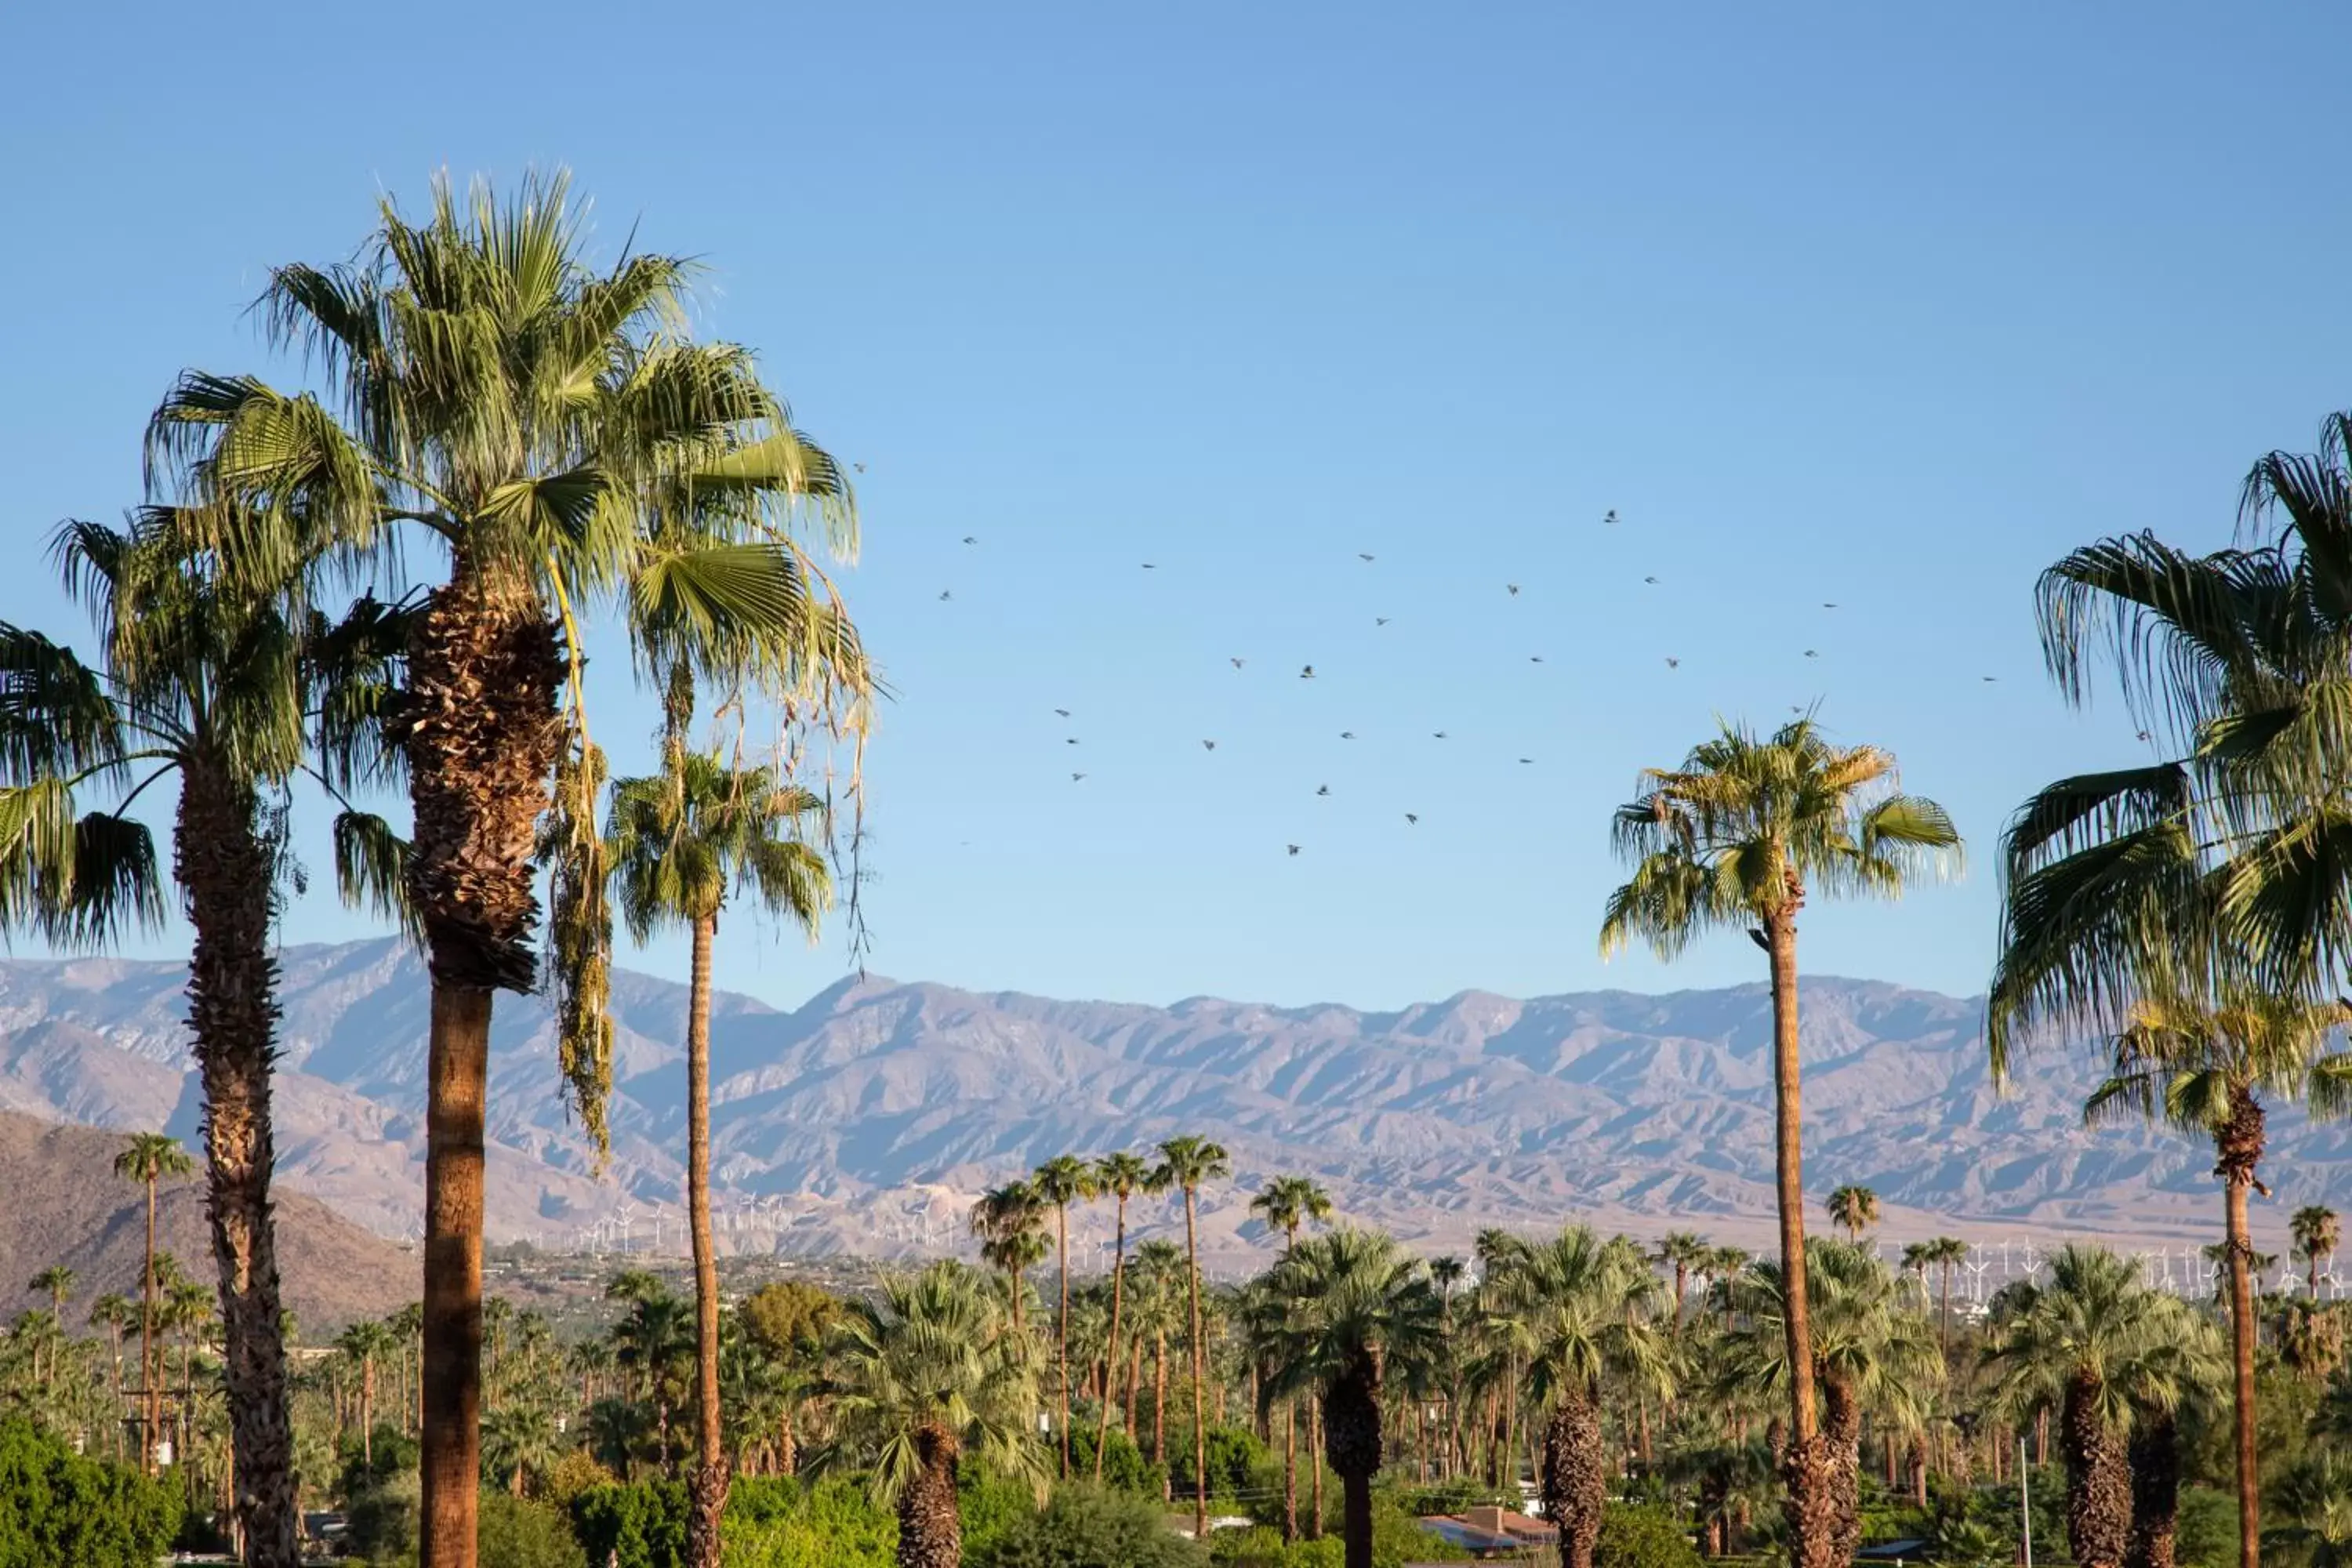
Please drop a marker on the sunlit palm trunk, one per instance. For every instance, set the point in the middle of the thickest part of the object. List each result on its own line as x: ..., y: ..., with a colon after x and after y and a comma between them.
x: 1290, y: 1472
x: 930, y: 1531
x: 1110, y: 1354
x: 1062, y: 1329
x: 480, y: 728
x: 151, y: 1417
x: 710, y: 1470
x: 1200, y: 1413
x: 1573, y: 1479
x: 1805, y: 1467
x: 1160, y: 1413
x: 2240, y: 1145
x: 2098, y: 1479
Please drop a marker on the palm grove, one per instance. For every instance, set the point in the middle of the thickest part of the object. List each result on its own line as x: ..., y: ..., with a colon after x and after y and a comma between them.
x: 382, y: 581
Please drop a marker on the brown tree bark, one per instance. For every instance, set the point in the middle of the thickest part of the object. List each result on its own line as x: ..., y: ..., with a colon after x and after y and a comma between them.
x: 1573, y: 1478
x: 150, y: 1377
x: 1062, y: 1332
x: 930, y: 1531
x: 2154, y: 1456
x: 2239, y: 1145
x: 1200, y: 1414
x: 711, y: 1478
x: 1110, y: 1350
x: 2098, y: 1479
x: 1806, y: 1467
x: 479, y: 730
x: 1352, y: 1447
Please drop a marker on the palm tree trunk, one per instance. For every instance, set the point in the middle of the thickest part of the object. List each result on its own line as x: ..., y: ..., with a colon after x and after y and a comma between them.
x: 2240, y: 1145
x: 1160, y: 1413
x: 1839, y: 1444
x: 930, y: 1531
x: 480, y: 732
x: 1352, y: 1438
x: 1134, y: 1385
x: 2154, y: 1461
x: 151, y: 1421
x: 1200, y: 1423
x: 1110, y: 1349
x: 1290, y: 1472
x: 451, y: 1461
x: 234, y: 1016
x: 1806, y: 1468
x: 1315, y: 1448
x: 1062, y: 1328
x: 367, y: 1413
x: 1573, y: 1479
x: 710, y: 1488
x: 2098, y: 1479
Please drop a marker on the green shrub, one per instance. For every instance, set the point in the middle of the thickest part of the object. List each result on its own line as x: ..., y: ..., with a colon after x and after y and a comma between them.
x: 1125, y: 1468
x: 1642, y: 1538
x: 57, y: 1506
x: 641, y: 1525
x: 518, y: 1533
x: 992, y: 1507
x: 776, y: 1523
x: 383, y: 1517
x: 1086, y: 1526
x: 1235, y: 1453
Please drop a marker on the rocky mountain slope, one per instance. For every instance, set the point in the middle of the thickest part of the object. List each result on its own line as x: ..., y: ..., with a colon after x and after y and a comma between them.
x: 866, y: 1119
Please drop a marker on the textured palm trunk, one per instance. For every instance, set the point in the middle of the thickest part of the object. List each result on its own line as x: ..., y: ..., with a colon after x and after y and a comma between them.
x: 479, y: 730
x: 1573, y: 1478
x: 1806, y: 1469
x: 1840, y: 1444
x: 1200, y: 1413
x: 1160, y: 1413
x: 2098, y: 1478
x: 2155, y: 1459
x: 1351, y: 1444
x: 1314, y: 1492
x: 2240, y: 1147
x: 150, y: 1396
x: 1110, y: 1349
x: 711, y: 1455
x: 930, y: 1531
x: 1134, y: 1389
x: 1062, y: 1332
x: 367, y: 1413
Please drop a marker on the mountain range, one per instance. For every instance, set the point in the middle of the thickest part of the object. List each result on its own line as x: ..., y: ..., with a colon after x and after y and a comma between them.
x: 866, y: 1120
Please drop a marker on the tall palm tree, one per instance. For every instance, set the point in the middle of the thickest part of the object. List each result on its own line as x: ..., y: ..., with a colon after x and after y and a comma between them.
x: 1010, y: 1222
x: 1159, y: 1311
x: 1685, y: 1252
x: 1058, y: 1182
x: 1286, y: 1204
x: 2063, y: 1348
x: 553, y: 429
x: 363, y: 1343
x: 1593, y: 1309
x: 2316, y: 1505
x: 683, y: 842
x: 56, y: 1281
x: 921, y: 1377
x: 1361, y: 1313
x: 2205, y: 1070
x: 1947, y: 1253
x: 1741, y: 835
x: 1186, y: 1163
x: 1854, y: 1209
x: 2176, y: 1365
x: 652, y: 1342
x: 147, y: 1159
x: 1122, y: 1175
x: 2316, y: 1229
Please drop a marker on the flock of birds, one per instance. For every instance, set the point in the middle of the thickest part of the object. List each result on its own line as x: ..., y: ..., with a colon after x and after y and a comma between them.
x: 1306, y: 672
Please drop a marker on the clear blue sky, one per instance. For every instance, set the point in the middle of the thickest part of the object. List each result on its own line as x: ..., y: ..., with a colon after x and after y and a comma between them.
x: 1881, y: 305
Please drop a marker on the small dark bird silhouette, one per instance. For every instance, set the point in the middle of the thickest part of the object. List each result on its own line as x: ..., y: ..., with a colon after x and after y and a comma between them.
x: 1992, y: 677
x: 859, y: 467
x: 1514, y: 588
x: 1071, y: 740
x: 1322, y: 789
x: 1527, y: 758
x: 971, y: 538
x: 1347, y: 734
x: 1611, y: 519
x: 1672, y: 663
x: 1379, y: 620
x: 1828, y: 603
x: 945, y: 595
x: 1649, y: 579
x: 1410, y: 817
x: 1437, y: 735
x: 1063, y: 712
x: 1535, y: 659
x: 1361, y: 556
x: 1148, y: 566
x: 1811, y: 653
x: 1293, y: 849
x: 1076, y: 777
x: 2143, y: 734
x: 1212, y: 745
x: 1239, y: 662
x: 1307, y: 674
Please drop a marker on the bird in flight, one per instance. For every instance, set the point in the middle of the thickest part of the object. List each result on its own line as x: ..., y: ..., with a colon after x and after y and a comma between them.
x: 1649, y: 579
x: 1612, y: 517
x: 1813, y: 653
x: 1307, y: 674
x: 1362, y: 556
x: 1514, y: 588
x: 945, y: 595
x: 1063, y: 712
x: 1535, y: 659
x: 1437, y: 735
x: 1076, y: 777
x: 859, y: 467
x: 1322, y: 789
x: 1527, y: 758
x: 1293, y: 849
x: 1347, y: 734
x: 1992, y: 677
x: 1379, y: 620
x: 1070, y: 740
x: 1148, y: 566
x: 1828, y: 603
x: 2143, y: 734
x: 1409, y: 817
x: 1209, y: 745
x: 1672, y: 663
x: 1239, y: 662
x: 971, y: 539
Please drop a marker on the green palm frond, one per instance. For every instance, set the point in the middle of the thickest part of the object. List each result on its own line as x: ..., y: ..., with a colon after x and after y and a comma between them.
x: 372, y: 868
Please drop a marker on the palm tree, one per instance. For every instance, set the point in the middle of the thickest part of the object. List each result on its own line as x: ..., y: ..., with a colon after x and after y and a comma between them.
x: 147, y: 1159
x: 1592, y: 1307
x: 921, y: 1377
x: 651, y: 1342
x: 1286, y: 1204
x: 2315, y: 1500
x: 1686, y: 1253
x: 2065, y: 1346
x: 1186, y: 1163
x: 1854, y: 1210
x: 1058, y: 1182
x: 1947, y: 1253
x: 518, y: 1441
x: 1159, y: 1311
x: 1009, y: 1222
x: 682, y: 842
x: 114, y: 1313
x: 1739, y: 836
x: 56, y: 1281
x: 1361, y: 1311
x: 1122, y: 1175
x: 2205, y: 1071
x: 2174, y: 1367
x: 553, y: 429
x: 2316, y: 1230
x: 362, y: 1343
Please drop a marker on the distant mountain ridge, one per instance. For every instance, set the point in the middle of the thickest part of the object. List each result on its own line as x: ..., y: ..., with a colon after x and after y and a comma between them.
x: 867, y: 1118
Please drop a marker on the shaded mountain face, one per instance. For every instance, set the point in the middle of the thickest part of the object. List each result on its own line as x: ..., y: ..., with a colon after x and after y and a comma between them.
x: 866, y: 1119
